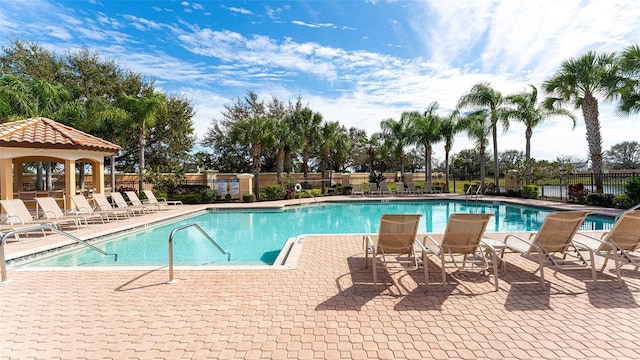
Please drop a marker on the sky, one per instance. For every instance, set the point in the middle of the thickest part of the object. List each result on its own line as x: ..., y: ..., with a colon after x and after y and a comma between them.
x: 357, y: 62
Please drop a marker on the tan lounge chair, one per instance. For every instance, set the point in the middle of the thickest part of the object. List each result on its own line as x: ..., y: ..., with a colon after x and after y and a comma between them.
x: 550, y: 246
x: 151, y: 199
x: 373, y: 189
x: 83, y: 207
x: 620, y: 243
x: 460, y: 244
x: 394, y: 245
x: 104, y: 205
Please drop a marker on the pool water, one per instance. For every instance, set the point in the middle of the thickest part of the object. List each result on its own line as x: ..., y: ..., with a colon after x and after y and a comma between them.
x: 256, y: 236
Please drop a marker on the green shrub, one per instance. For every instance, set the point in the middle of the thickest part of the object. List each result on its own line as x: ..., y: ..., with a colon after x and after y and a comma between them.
x: 600, y: 199
x: 622, y: 201
x: 249, y: 198
x: 632, y: 189
x: 514, y: 193
x: 530, y: 191
x: 201, y: 195
x: 274, y: 192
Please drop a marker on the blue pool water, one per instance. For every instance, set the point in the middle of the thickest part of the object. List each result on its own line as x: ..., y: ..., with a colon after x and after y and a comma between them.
x: 257, y: 236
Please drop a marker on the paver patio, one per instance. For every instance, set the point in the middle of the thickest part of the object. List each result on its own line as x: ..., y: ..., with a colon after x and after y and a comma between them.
x: 324, y: 308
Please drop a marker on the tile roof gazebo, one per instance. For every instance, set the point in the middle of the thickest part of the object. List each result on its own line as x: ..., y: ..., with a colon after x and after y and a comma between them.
x: 42, y: 139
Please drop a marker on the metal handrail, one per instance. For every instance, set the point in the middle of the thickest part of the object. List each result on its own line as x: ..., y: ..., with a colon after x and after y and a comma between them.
x: 174, y: 231
x: 3, y: 266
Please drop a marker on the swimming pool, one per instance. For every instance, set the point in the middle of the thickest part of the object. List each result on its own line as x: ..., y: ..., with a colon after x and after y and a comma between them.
x: 256, y: 237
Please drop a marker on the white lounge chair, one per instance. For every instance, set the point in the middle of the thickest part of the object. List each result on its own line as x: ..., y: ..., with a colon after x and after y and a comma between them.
x: 118, y: 201
x: 51, y: 210
x: 135, y: 201
x: 104, y: 205
x: 151, y: 199
x: 82, y: 206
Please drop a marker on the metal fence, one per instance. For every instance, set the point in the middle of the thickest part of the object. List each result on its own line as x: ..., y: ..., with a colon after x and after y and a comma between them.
x: 613, y: 183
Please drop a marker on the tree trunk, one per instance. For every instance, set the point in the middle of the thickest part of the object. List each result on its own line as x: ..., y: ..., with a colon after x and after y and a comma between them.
x: 305, y: 160
x: 446, y: 170
x: 142, y: 142
x: 255, y: 153
x: 280, y: 165
x: 527, y: 156
x: 427, y: 163
x: 594, y: 138
x: 482, y: 166
x: 496, y: 166
x: 47, y: 170
x: 39, y: 177
x: 113, y: 172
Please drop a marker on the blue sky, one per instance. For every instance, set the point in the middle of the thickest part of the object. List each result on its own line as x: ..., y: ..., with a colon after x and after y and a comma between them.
x: 356, y: 62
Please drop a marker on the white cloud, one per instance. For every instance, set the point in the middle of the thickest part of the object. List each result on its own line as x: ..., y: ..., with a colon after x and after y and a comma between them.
x: 238, y: 10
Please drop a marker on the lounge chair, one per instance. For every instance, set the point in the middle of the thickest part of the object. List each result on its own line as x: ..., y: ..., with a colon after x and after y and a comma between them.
x: 135, y: 201
x: 373, y: 189
x: 394, y: 245
x: 461, y: 244
x: 151, y: 199
x: 384, y: 189
x: 82, y: 206
x: 400, y: 191
x: 619, y: 243
x: 51, y: 210
x: 550, y: 246
x: 118, y: 200
x: 18, y: 214
x: 104, y: 205
x: 412, y: 190
x: 356, y: 190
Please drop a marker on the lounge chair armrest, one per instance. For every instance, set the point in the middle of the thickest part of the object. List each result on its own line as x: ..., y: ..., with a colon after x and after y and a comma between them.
x: 11, y: 220
x: 421, y: 245
x: 48, y: 214
x: 515, y: 238
x: 431, y: 244
x: 370, y: 244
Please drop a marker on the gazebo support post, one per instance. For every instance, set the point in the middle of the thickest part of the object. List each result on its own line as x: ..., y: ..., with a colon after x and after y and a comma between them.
x: 6, y: 179
x: 98, y: 177
x: 69, y: 181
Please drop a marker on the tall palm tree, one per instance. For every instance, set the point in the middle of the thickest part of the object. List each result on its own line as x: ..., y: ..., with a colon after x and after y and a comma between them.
x: 144, y: 112
x: 426, y: 131
x: 308, y: 124
x: 579, y: 81
x: 483, y: 96
x: 448, y: 129
x: 255, y: 132
x: 478, y: 126
x: 397, y: 135
x: 329, y: 132
x: 531, y: 115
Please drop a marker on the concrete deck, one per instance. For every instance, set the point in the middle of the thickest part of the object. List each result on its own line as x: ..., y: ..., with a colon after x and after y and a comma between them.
x: 325, y: 308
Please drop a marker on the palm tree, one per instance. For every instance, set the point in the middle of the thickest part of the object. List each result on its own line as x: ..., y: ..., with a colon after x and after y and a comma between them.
x: 308, y: 124
x: 483, y: 96
x: 531, y: 115
x: 478, y: 129
x: 397, y: 135
x: 328, y: 136
x: 144, y: 112
x: 448, y: 129
x: 426, y: 131
x: 629, y: 86
x: 579, y: 81
x: 15, y: 98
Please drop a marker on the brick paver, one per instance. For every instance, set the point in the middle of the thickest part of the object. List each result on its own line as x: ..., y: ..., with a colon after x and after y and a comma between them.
x: 325, y: 308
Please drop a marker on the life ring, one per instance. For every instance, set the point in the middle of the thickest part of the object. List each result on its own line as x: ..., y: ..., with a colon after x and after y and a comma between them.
x: 298, y: 187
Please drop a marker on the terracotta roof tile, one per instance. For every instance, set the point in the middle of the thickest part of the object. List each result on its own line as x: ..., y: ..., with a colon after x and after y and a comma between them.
x: 46, y: 133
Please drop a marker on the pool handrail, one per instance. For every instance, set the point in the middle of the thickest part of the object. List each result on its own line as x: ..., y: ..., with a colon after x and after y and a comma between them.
x: 633, y: 208
x: 3, y: 266
x: 174, y: 231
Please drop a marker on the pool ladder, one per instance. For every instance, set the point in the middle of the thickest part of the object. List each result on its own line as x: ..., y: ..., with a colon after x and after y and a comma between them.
x: 3, y: 266
x: 174, y: 231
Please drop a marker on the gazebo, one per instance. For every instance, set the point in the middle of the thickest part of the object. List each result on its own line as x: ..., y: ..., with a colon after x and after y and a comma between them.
x: 42, y: 139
